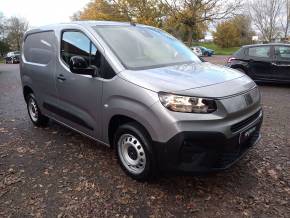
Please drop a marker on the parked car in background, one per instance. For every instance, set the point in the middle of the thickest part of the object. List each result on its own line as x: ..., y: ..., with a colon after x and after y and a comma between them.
x: 196, y: 50
x: 264, y: 62
x: 141, y: 91
x: 12, y: 57
x: 206, y: 51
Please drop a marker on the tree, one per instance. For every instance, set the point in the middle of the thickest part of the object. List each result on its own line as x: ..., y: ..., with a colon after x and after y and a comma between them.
x: 226, y: 35
x: 265, y: 15
x: 285, y: 20
x: 149, y: 12
x: 244, y: 27
x: 4, y: 47
x: 2, y: 26
x: 16, y: 28
x: 193, y: 13
x: 146, y: 11
x: 186, y: 19
x: 100, y: 10
x: 181, y: 31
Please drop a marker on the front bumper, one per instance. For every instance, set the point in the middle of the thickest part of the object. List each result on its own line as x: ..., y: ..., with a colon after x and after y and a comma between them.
x: 205, y: 151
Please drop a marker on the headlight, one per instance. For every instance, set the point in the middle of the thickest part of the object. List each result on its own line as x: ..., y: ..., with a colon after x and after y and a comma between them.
x: 187, y: 104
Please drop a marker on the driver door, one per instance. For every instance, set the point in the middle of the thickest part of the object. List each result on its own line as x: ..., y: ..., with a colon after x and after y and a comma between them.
x: 260, y: 62
x: 79, y: 95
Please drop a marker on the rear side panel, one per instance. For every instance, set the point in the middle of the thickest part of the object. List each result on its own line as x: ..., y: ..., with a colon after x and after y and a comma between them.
x: 38, y: 66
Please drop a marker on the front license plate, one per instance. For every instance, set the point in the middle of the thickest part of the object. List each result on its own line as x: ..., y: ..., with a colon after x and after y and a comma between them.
x: 246, y: 134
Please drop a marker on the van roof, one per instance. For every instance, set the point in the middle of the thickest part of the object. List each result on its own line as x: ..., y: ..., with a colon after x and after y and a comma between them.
x: 81, y: 23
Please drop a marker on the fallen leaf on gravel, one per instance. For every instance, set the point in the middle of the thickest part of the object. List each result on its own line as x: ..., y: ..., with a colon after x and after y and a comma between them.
x: 208, y: 198
x: 21, y: 150
x: 47, y: 143
x: 178, y: 197
x: 46, y: 172
x: 287, y: 190
x: 191, y: 205
x: 245, y: 213
x: 273, y: 174
x: 2, y: 130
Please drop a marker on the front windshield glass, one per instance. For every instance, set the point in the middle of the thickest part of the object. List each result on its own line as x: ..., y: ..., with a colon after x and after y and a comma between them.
x: 145, y: 47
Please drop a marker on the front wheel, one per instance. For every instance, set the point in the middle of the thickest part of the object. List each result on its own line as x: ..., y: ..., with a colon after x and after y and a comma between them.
x: 134, y: 151
x: 34, y: 112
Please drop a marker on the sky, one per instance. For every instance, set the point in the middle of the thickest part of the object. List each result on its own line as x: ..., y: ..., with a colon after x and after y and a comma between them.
x: 42, y: 12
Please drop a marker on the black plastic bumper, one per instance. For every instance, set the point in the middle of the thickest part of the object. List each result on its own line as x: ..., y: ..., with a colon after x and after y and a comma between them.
x: 203, y: 151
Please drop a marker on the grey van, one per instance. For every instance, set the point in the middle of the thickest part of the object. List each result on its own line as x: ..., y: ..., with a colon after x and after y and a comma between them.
x: 141, y: 91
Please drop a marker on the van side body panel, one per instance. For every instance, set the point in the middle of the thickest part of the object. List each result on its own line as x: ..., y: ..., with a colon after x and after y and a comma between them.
x: 38, y: 61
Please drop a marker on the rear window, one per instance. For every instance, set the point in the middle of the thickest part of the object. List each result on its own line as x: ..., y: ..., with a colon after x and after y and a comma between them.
x: 260, y: 52
x: 282, y: 52
x: 39, y: 47
x: 239, y: 53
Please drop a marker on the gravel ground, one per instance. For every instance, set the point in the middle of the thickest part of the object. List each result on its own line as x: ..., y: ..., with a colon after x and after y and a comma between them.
x: 217, y: 59
x: 55, y: 172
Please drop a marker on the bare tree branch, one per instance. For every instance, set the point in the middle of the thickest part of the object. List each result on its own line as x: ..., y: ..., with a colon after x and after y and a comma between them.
x: 265, y: 15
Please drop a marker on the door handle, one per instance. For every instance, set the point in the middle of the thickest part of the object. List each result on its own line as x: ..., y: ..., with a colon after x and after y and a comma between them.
x: 274, y: 64
x: 61, y: 77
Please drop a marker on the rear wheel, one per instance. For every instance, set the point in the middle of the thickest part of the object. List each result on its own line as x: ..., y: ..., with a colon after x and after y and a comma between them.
x: 134, y: 152
x: 34, y: 112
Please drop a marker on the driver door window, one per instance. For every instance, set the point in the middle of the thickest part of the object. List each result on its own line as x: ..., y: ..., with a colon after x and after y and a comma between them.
x: 75, y: 43
x: 260, y: 52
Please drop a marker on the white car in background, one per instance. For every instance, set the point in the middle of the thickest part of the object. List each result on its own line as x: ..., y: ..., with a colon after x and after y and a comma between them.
x: 196, y: 50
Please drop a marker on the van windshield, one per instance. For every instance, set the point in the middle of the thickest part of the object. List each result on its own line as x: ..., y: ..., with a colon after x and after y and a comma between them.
x: 145, y: 47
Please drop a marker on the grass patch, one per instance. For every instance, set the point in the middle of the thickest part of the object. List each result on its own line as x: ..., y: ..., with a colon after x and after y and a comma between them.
x: 218, y: 50
x: 1, y: 60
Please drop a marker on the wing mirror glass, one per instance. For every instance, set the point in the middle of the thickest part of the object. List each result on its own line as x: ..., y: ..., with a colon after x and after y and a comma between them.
x: 79, y: 65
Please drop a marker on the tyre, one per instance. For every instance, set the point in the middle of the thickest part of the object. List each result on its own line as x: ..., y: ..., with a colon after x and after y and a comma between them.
x: 37, y: 118
x: 134, y: 151
x: 206, y: 54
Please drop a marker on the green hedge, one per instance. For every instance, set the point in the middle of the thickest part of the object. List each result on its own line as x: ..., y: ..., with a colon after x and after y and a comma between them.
x: 218, y: 50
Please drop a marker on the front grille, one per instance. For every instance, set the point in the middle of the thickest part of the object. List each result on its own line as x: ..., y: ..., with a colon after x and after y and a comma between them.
x: 238, y: 126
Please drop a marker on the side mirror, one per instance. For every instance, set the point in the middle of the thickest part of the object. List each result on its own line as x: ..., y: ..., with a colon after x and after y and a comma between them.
x: 79, y: 65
